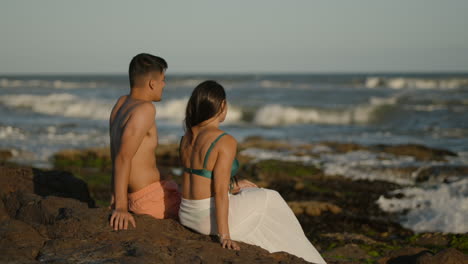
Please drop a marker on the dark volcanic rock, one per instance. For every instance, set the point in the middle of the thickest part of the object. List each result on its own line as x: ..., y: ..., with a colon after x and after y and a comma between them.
x: 63, y: 184
x: 36, y: 226
x: 424, y: 256
x: 43, y: 183
x: 19, y: 242
x: 347, y: 252
x: 446, y: 256
x: 419, y: 152
x: 5, y: 154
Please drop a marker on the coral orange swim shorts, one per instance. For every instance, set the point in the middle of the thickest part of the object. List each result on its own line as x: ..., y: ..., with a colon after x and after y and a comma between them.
x: 159, y: 199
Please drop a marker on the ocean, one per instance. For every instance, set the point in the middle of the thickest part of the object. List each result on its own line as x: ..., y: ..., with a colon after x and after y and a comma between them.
x: 43, y: 114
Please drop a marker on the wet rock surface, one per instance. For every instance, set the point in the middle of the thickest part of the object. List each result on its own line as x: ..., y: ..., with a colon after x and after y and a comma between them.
x: 38, y: 227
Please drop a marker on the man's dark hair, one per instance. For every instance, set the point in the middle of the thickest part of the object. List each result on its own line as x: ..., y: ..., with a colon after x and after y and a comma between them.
x: 143, y: 64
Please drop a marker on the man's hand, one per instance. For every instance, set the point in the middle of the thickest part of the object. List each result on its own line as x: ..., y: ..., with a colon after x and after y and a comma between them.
x: 120, y: 218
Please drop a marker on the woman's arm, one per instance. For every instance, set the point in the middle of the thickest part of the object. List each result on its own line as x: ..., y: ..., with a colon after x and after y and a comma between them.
x: 222, y: 172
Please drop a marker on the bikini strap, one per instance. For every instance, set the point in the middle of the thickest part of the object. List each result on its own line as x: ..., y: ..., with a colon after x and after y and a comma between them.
x: 209, y: 150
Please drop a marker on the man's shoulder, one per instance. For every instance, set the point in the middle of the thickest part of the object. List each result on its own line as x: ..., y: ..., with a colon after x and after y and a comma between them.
x: 144, y: 109
x: 121, y: 100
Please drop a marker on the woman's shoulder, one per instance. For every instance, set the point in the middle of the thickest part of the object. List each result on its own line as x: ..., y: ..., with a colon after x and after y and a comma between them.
x: 226, y: 139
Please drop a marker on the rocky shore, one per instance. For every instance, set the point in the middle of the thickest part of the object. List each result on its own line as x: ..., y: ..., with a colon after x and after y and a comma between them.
x: 60, y: 215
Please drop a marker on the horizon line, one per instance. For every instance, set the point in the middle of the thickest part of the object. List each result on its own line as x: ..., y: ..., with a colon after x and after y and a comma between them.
x: 462, y: 72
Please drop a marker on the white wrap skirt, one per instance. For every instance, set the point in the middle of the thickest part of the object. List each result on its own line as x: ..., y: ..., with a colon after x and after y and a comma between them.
x: 257, y: 216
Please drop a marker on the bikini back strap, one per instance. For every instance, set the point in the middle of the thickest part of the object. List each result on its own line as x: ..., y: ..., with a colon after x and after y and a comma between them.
x: 207, y: 155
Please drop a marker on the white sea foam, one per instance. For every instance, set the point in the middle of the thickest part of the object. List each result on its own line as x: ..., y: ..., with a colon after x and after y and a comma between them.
x: 9, y: 132
x: 68, y: 105
x: 275, y: 84
x: 60, y: 104
x: 357, y: 165
x: 58, y: 84
x: 174, y: 110
x: 442, y: 207
x: 186, y: 82
x: 416, y: 83
x: 274, y: 114
x: 364, y: 165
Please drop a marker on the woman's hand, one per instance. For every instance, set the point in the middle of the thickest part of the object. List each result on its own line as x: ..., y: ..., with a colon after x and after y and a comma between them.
x: 120, y: 218
x: 246, y: 184
x: 243, y: 184
x: 226, y: 242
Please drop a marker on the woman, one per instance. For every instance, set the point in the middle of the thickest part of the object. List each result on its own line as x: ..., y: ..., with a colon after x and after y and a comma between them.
x: 253, y: 215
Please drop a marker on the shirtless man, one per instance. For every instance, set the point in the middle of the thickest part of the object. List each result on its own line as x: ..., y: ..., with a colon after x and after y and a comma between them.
x: 136, y: 182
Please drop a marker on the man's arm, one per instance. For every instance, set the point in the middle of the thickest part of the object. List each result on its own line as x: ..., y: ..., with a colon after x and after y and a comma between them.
x: 117, y: 105
x: 140, y: 121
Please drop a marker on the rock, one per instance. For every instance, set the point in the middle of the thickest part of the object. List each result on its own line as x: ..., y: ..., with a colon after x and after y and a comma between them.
x: 350, y: 238
x: 19, y: 242
x: 313, y: 208
x: 441, y: 173
x: 16, y: 179
x: 5, y: 154
x: 424, y: 256
x: 36, y: 226
x: 83, y: 158
x: 43, y: 183
x: 432, y: 239
x: 85, y: 236
x: 404, y: 256
x: 48, y: 210
x: 343, y: 147
x: 347, y: 252
x: 419, y: 152
x: 446, y: 256
x: 260, y: 142
x: 271, y: 171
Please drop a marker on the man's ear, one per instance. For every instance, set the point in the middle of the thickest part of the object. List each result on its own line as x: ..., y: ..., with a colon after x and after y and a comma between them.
x: 224, y: 104
x: 151, y: 83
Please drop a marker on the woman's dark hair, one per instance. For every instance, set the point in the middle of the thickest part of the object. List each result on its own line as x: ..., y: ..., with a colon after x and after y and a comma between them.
x: 206, y: 101
x: 143, y: 64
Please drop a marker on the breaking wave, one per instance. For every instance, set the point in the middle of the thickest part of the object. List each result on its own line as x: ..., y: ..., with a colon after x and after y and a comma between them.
x: 68, y: 105
x: 416, y: 83
x: 60, y: 104
x: 58, y: 84
x: 274, y: 114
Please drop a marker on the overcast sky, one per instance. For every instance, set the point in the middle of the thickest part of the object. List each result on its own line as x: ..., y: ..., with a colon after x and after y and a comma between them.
x: 240, y: 36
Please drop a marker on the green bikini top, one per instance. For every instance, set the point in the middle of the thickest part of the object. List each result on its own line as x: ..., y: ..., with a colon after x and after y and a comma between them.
x: 207, y: 173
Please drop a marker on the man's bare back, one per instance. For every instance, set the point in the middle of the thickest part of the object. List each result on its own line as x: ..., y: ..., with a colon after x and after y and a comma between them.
x: 143, y: 169
x: 136, y: 184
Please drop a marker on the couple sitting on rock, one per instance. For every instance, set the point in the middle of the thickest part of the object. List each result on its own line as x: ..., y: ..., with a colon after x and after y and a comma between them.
x: 211, y: 201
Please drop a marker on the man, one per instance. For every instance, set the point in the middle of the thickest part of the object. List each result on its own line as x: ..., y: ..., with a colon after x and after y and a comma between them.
x: 137, y: 184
